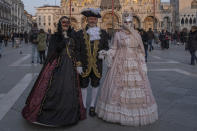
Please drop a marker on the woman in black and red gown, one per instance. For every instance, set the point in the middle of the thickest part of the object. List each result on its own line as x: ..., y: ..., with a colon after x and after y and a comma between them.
x: 55, y: 99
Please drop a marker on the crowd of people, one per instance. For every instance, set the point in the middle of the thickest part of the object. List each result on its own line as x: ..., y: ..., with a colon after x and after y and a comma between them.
x: 164, y: 39
x: 16, y: 40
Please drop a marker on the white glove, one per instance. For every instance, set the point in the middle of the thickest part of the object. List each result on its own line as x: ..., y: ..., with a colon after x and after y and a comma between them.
x: 102, y: 54
x: 80, y: 70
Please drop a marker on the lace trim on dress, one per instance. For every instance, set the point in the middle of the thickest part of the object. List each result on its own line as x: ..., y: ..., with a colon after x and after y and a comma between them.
x: 133, y: 93
x: 135, y: 112
x: 127, y: 120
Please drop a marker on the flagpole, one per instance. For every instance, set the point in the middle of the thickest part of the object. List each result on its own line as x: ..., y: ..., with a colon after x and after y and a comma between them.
x: 154, y: 19
x: 112, y: 15
x: 70, y: 9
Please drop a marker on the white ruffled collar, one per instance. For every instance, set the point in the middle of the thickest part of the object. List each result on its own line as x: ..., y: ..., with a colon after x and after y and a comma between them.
x: 65, y: 34
x: 94, y: 33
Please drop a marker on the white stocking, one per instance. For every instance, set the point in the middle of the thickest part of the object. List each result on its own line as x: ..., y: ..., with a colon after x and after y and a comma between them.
x: 94, y: 96
x: 84, y: 95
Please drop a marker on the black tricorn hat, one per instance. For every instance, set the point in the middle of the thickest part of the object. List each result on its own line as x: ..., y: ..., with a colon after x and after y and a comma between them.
x: 91, y: 12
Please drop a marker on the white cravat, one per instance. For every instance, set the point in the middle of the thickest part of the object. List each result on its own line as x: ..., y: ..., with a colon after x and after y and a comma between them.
x: 94, y: 33
x: 65, y: 34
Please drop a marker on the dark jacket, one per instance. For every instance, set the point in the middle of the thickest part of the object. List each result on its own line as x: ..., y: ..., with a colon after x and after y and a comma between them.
x: 162, y: 37
x: 33, y: 36
x: 192, y: 43
x: 175, y: 36
x: 87, y: 53
x: 150, y: 35
x: 58, y: 43
x: 1, y: 38
x: 145, y: 39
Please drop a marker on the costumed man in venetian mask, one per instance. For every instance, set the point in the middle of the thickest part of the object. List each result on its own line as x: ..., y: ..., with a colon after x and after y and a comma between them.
x: 126, y: 96
x: 90, y: 42
x: 55, y: 97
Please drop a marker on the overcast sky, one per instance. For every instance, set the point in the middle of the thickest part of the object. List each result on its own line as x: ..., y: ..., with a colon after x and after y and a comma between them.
x: 30, y: 5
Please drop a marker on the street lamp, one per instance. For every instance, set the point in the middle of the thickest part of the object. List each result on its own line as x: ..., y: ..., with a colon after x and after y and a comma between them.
x: 112, y: 16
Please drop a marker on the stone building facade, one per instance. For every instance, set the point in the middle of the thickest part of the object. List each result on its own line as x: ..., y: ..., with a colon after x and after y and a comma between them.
x: 47, y: 17
x: 28, y: 21
x: 187, y: 13
x: 5, y: 16
x: 147, y: 14
x: 11, y: 16
x: 17, y: 13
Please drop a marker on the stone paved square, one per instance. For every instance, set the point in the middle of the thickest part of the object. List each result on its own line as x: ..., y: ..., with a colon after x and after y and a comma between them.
x: 174, y: 86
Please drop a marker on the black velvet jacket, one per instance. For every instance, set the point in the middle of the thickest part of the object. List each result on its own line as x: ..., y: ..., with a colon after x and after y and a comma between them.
x: 87, y: 52
x: 59, y: 45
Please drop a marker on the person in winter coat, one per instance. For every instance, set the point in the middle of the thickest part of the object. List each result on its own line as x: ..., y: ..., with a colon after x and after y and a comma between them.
x: 192, y: 44
x: 162, y: 39
x: 33, y: 40
x: 151, y: 37
x: 1, y: 44
x: 6, y: 38
x: 42, y: 38
x: 144, y: 36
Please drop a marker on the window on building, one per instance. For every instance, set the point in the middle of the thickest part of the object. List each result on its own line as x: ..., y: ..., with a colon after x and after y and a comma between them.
x: 190, y: 21
x: 44, y: 19
x: 194, y: 21
x: 73, y: 9
x: 182, y: 21
x: 39, y: 18
x: 49, y: 18
x: 186, y: 21
x: 162, y: 24
x: 49, y: 24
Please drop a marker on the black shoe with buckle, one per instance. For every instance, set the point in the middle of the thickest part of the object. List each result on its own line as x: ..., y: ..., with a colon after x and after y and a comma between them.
x: 92, y: 112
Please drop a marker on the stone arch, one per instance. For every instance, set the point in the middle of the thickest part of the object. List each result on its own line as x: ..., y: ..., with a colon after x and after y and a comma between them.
x: 185, y: 30
x: 136, y: 22
x: 194, y: 4
x: 107, y: 20
x: 150, y: 22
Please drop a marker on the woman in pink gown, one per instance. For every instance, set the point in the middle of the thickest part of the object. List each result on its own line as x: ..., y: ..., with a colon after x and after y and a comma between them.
x: 126, y: 97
